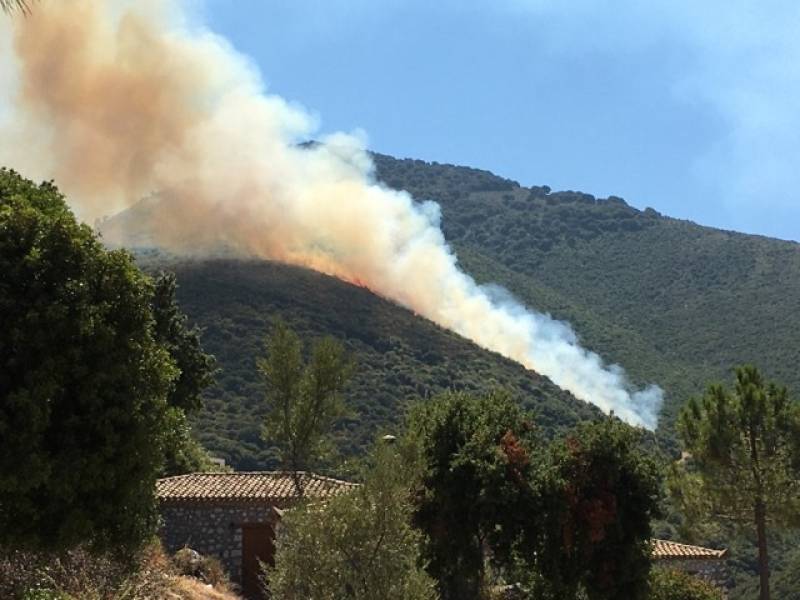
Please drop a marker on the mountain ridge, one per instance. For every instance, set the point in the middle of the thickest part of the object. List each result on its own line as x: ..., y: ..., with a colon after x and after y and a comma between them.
x: 675, y: 303
x: 679, y: 289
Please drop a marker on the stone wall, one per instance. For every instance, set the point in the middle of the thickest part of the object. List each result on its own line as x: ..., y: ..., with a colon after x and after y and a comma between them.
x: 714, y: 571
x: 213, y: 530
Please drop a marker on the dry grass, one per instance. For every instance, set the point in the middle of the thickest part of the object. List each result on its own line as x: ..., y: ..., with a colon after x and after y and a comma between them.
x: 79, y: 575
x: 188, y: 588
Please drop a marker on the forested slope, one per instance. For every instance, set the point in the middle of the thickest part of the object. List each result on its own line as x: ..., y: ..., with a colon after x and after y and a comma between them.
x: 399, y: 356
x: 673, y: 302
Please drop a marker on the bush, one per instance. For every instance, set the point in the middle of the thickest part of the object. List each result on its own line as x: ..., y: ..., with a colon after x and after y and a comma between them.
x: 213, y: 573
x: 669, y: 584
x: 79, y: 574
x: 205, y: 568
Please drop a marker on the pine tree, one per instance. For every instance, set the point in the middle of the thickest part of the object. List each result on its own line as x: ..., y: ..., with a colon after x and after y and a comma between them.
x: 744, y: 465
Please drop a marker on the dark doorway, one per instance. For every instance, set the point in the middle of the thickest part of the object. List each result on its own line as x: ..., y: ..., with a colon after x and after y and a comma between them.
x: 258, y: 544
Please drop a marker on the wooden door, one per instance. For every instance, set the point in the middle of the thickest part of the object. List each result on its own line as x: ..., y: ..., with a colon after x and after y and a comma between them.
x: 258, y: 544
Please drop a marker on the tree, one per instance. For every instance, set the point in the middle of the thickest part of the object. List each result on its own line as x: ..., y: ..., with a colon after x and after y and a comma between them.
x: 601, y: 494
x: 357, y: 546
x: 83, y: 381
x: 476, y: 496
x: 172, y: 331
x: 744, y: 465
x: 304, y: 400
x: 183, y: 454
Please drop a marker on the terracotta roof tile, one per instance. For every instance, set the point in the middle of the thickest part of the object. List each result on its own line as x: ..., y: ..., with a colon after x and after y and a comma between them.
x: 664, y: 549
x: 272, y: 486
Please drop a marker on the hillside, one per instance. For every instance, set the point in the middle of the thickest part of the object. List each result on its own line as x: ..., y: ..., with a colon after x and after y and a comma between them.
x: 400, y: 356
x: 673, y: 302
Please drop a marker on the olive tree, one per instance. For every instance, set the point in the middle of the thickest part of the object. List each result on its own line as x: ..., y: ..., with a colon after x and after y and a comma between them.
x: 304, y: 397
x: 357, y: 546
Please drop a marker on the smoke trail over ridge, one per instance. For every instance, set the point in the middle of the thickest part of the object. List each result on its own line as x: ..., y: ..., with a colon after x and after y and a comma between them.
x: 125, y: 100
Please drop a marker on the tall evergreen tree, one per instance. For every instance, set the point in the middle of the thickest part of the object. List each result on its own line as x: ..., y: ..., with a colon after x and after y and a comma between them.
x: 744, y: 463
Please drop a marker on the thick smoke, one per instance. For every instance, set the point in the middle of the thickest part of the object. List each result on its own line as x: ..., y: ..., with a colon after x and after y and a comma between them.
x: 127, y: 101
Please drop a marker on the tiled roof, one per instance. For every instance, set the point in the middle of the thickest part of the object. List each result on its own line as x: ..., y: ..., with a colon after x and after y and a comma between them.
x: 276, y: 487
x: 664, y: 549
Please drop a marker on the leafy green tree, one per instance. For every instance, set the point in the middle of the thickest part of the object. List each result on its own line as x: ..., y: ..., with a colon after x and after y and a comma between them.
x: 601, y: 494
x: 83, y: 381
x: 304, y: 399
x: 183, y: 454
x: 475, y: 497
x: 744, y: 465
x: 667, y: 584
x: 357, y: 546
x: 173, y: 332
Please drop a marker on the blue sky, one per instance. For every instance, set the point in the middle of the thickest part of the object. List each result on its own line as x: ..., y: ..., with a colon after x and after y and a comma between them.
x: 690, y: 107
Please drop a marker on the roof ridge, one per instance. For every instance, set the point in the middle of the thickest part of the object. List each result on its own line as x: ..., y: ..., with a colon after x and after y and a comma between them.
x: 680, y: 543
x: 278, y: 472
x: 236, y: 473
x: 242, y: 485
x: 691, y: 550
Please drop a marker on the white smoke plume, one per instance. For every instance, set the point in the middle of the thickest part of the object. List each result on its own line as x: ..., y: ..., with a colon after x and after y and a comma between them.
x: 120, y: 100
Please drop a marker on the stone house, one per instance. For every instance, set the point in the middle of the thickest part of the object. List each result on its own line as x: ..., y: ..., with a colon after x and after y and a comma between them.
x: 705, y: 563
x: 233, y: 516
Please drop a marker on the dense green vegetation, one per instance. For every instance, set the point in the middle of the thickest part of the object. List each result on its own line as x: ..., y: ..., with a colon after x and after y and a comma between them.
x: 98, y: 367
x: 399, y: 357
x: 477, y: 496
x: 744, y: 460
x: 182, y: 452
x: 566, y: 519
x: 360, y: 545
x: 673, y: 302
x: 472, y: 494
x: 83, y: 383
x: 608, y: 494
x: 666, y: 584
